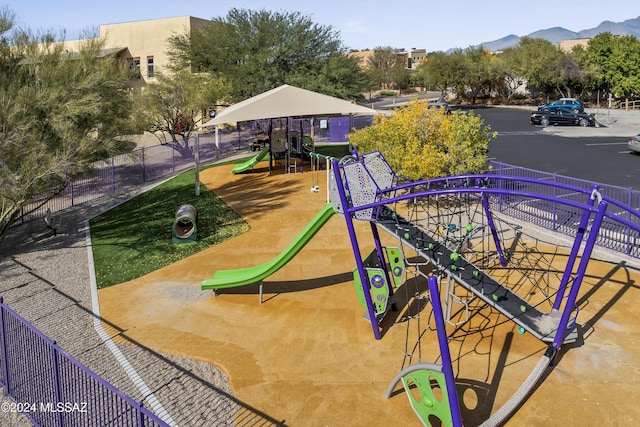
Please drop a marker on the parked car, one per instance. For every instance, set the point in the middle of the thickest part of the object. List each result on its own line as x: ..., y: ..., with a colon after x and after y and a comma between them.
x: 572, y: 104
x: 561, y: 116
x: 634, y: 144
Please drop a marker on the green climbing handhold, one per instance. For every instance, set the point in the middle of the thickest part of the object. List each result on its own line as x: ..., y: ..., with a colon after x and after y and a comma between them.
x: 406, y: 235
x: 431, y: 246
x: 476, y: 273
x: 495, y: 297
x: 454, y: 256
x: 469, y: 228
x: 523, y: 308
x: 454, y: 268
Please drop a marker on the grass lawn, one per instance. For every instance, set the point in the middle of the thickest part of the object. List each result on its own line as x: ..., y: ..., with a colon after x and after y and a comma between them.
x: 135, y: 238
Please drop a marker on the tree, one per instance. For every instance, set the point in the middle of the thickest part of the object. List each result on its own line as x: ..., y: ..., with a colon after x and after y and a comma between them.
x: 434, y: 73
x: 595, y: 59
x: 623, y: 67
x: 256, y: 51
x: 340, y: 76
x: 477, y: 76
x: 569, y: 76
x: 611, y: 64
x: 508, y: 67
x: 386, y: 65
x: 592, y: 73
x: 59, y: 112
x: 421, y: 142
x: 171, y: 107
x: 444, y: 72
x: 539, y: 64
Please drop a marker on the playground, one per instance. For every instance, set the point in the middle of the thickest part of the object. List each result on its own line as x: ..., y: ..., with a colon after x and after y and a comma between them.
x: 299, y: 349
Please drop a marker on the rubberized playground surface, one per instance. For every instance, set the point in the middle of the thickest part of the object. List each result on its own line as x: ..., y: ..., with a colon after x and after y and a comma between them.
x: 307, y: 357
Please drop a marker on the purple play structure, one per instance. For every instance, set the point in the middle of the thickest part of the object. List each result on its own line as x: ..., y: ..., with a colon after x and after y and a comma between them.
x: 364, y: 187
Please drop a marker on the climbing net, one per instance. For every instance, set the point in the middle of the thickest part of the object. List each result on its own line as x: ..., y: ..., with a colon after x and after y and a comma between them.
x: 459, y: 222
x: 528, y: 265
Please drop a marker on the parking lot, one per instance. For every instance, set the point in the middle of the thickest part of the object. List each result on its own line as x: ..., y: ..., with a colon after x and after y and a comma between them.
x: 598, y: 154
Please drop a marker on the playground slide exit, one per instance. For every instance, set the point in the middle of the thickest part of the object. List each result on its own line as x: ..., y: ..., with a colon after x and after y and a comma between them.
x: 249, y: 164
x: 223, y: 279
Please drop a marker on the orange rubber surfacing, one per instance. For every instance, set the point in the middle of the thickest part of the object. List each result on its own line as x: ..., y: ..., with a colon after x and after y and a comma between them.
x: 307, y: 357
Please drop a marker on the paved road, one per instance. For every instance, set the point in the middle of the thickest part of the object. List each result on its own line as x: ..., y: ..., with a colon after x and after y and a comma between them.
x: 595, y: 154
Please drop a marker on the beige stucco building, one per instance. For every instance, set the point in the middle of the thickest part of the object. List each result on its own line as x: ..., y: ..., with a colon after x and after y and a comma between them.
x: 144, y: 43
x: 568, y: 45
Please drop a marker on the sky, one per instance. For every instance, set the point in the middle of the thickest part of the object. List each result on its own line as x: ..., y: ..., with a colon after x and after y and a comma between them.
x: 408, y: 24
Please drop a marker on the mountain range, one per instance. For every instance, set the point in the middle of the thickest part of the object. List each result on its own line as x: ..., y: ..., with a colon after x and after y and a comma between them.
x: 557, y: 34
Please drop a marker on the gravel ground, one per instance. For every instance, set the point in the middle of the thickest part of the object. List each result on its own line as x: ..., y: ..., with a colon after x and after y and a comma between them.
x: 46, y: 280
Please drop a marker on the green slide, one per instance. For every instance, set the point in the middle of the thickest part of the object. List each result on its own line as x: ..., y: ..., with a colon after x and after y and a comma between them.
x: 249, y: 164
x: 231, y: 278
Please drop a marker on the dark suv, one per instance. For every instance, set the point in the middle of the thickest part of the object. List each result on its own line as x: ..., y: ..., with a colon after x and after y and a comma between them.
x: 572, y: 104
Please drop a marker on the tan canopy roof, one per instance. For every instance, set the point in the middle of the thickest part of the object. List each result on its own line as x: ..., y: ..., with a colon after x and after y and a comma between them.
x: 288, y: 101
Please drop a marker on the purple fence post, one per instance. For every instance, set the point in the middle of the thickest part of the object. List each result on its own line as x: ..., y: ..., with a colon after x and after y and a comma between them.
x: 140, y: 416
x: 629, y: 203
x: 5, y: 356
x: 144, y: 175
x: 113, y: 175
x: 71, y: 192
x: 501, y: 187
x: 555, y: 205
x: 56, y: 379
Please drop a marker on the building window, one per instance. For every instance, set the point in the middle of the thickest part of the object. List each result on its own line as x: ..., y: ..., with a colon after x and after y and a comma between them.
x: 149, y: 66
x: 135, y: 67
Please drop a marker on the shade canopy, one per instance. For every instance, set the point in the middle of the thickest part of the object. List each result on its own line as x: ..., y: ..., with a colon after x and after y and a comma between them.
x: 288, y: 101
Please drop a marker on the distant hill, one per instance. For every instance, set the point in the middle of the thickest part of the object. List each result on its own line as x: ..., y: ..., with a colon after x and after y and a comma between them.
x: 557, y: 34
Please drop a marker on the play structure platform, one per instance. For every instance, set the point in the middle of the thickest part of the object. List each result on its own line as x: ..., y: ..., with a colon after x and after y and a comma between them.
x: 542, y: 325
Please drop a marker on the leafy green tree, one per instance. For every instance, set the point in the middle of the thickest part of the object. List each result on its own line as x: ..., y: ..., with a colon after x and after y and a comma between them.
x: 387, y: 65
x: 59, y: 112
x: 592, y: 73
x: 421, y: 142
x: 611, y: 64
x: 596, y: 58
x: 539, y: 61
x: 171, y: 107
x: 437, y: 73
x: 569, y: 76
x: 509, y: 69
x: 623, y: 67
x: 256, y: 51
x: 477, y: 76
x: 340, y: 76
